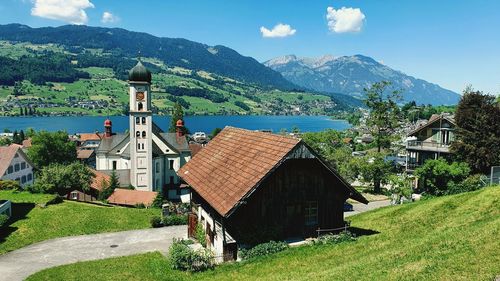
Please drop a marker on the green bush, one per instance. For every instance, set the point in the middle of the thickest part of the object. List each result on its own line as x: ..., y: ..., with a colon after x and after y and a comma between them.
x: 264, y: 249
x: 3, y: 220
x: 175, y: 220
x: 9, y: 185
x: 156, y: 222
x: 182, y: 257
x: 439, y: 177
x: 471, y: 183
x: 344, y: 236
x: 200, y: 235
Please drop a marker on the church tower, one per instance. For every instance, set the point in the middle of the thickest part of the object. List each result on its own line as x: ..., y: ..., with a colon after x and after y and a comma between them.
x: 141, y: 134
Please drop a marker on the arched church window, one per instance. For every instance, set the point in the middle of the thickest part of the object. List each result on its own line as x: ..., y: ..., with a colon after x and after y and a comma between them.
x: 139, y: 106
x: 142, y: 146
x: 138, y: 146
x: 137, y: 119
x: 143, y: 120
x: 137, y: 134
x: 143, y: 134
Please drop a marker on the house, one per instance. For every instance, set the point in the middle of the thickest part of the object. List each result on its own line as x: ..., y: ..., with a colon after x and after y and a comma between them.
x: 249, y: 187
x: 86, y: 156
x: 15, y: 165
x: 95, y: 188
x: 430, y: 141
x: 145, y: 156
x: 89, y: 140
x: 132, y: 198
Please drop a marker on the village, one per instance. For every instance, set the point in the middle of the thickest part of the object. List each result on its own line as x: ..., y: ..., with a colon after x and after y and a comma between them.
x: 230, y: 195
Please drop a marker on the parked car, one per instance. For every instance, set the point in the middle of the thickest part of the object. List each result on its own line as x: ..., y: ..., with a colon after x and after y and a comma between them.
x: 348, y: 207
x: 199, y: 137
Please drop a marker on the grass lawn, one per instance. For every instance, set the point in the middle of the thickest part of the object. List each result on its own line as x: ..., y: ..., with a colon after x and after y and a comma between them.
x: 33, y: 223
x: 447, y: 238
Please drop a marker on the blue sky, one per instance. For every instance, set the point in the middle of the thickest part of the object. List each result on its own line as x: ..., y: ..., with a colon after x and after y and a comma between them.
x: 449, y: 42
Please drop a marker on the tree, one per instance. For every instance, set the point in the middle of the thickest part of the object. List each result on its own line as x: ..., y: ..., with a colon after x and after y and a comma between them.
x: 439, y: 177
x: 401, y: 187
x: 383, y: 119
x: 62, y: 178
x: 376, y: 170
x: 178, y: 114
x: 109, y: 187
x: 477, y: 139
x: 51, y: 147
x: 215, y: 132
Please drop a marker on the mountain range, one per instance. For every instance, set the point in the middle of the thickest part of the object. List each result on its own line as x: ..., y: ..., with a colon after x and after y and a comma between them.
x: 351, y: 74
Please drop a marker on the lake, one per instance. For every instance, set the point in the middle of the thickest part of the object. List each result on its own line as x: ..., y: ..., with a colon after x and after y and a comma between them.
x: 80, y: 124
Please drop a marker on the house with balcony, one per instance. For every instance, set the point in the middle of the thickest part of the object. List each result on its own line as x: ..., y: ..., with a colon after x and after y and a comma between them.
x: 430, y: 141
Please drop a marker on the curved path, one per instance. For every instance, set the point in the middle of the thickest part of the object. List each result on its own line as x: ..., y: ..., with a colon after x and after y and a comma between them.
x: 361, y: 208
x: 21, y: 263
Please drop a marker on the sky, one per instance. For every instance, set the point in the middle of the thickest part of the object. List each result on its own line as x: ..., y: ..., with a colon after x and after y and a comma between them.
x: 452, y: 43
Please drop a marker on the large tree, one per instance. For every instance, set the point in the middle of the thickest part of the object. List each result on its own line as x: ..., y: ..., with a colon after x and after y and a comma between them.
x: 61, y: 178
x: 47, y: 148
x: 477, y: 139
x: 383, y: 120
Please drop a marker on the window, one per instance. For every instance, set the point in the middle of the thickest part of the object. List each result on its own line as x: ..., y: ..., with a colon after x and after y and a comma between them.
x: 30, y: 176
x: 139, y: 106
x: 74, y: 195
x: 137, y: 119
x: 311, y: 213
x: 143, y: 120
x: 171, y: 162
x: 23, y: 165
x: 23, y: 179
x: 114, y: 165
x: 143, y: 146
x: 138, y: 146
x: 16, y: 167
x: 137, y: 134
x: 157, y: 167
x: 10, y: 170
x: 143, y: 134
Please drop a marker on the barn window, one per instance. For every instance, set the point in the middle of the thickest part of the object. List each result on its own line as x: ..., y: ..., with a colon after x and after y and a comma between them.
x: 311, y: 213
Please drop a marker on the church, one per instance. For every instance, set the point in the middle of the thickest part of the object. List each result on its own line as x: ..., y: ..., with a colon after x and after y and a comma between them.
x: 145, y: 157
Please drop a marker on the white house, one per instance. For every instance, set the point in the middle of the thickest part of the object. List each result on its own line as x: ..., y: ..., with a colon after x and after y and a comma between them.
x: 145, y: 157
x: 15, y: 165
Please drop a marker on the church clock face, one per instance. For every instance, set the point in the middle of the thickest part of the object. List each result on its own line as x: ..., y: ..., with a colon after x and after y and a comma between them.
x: 139, y: 96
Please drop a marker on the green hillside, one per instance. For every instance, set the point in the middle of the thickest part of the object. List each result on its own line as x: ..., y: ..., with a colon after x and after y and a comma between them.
x: 447, y: 238
x: 53, y: 76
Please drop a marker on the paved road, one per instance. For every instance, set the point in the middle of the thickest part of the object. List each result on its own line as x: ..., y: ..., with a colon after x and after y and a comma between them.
x: 19, y: 264
x: 360, y: 208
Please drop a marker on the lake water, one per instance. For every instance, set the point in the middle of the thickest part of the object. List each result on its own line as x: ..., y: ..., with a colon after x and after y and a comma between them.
x: 80, y: 124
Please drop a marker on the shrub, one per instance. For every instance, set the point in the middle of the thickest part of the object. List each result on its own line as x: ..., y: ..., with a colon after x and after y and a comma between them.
x: 3, y: 220
x: 9, y: 185
x: 158, y: 201
x: 438, y: 176
x: 175, y: 220
x: 264, y: 249
x: 182, y: 257
x: 471, y: 183
x: 156, y: 222
x: 344, y: 236
x: 200, y: 235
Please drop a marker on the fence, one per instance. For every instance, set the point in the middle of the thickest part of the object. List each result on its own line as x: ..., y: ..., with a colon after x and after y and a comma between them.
x: 495, y: 175
x: 320, y: 231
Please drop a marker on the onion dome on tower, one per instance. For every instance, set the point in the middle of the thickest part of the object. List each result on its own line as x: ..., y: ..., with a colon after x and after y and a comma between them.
x: 139, y: 73
x: 108, y: 131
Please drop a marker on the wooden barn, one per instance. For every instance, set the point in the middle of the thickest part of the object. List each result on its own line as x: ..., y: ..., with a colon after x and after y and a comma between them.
x: 249, y: 187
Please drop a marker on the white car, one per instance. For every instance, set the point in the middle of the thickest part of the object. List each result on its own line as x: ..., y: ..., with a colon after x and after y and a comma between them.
x: 199, y: 137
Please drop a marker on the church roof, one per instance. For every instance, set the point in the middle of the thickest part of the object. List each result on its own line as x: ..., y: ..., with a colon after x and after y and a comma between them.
x: 139, y: 73
x: 110, y: 145
x: 180, y: 143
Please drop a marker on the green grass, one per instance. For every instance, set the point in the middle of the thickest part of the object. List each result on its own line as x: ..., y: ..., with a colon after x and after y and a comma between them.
x: 447, y: 238
x: 33, y: 223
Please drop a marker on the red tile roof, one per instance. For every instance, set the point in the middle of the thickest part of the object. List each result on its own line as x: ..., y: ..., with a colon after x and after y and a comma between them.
x: 233, y: 163
x: 195, y: 148
x: 6, y: 155
x: 132, y: 197
x: 98, y: 180
x: 90, y: 136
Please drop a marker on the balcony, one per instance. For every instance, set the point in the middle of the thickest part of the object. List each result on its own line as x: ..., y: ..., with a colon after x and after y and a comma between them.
x: 428, y: 146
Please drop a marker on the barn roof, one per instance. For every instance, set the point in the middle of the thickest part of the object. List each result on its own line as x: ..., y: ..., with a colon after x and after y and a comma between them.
x: 235, y: 162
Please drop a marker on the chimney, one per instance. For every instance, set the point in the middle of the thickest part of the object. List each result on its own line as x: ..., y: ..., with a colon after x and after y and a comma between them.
x: 108, y: 132
x: 179, y: 128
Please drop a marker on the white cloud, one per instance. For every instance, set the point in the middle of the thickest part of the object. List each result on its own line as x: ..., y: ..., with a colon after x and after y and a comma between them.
x: 344, y: 19
x: 108, y: 17
x: 72, y: 11
x: 279, y: 30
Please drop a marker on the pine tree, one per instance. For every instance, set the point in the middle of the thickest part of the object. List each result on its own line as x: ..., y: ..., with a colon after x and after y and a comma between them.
x: 178, y: 114
x: 22, y: 137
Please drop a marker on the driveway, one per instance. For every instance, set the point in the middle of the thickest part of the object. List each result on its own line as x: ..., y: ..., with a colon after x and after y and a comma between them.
x: 361, y: 208
x: 21, y: 263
